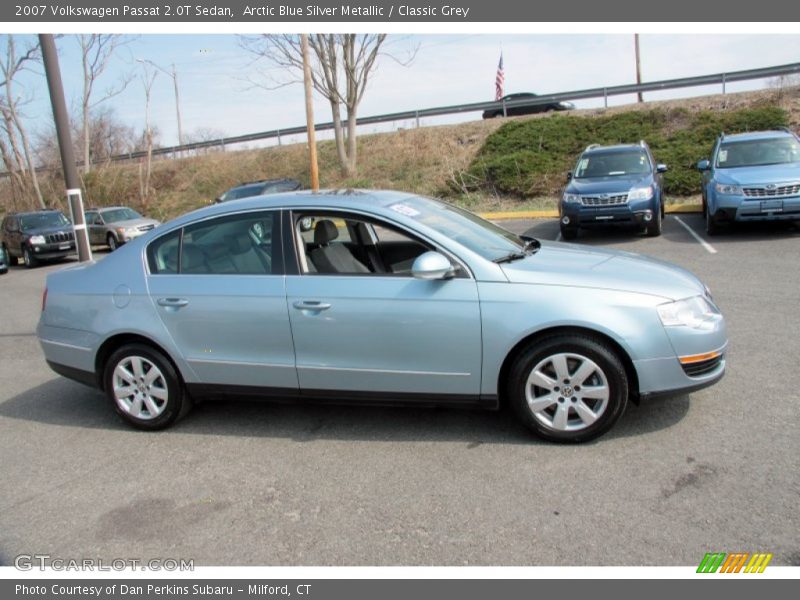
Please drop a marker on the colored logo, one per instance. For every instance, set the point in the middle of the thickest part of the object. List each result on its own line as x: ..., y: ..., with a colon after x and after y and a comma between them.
x: 737, y: 562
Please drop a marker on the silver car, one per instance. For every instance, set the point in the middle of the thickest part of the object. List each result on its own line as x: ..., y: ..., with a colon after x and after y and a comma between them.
x: 116, y: 225
x: 378, y: 297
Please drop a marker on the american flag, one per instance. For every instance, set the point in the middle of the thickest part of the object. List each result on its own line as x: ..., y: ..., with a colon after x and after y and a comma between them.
x: 499, y: 80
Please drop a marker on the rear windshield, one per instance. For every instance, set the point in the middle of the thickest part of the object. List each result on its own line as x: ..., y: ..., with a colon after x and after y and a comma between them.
x: 776, y: 151
x: 43, y: 221
x: 613, y: 164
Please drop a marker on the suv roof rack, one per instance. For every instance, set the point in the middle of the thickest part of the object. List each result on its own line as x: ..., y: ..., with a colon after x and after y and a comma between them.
x: 592, y: 147
x: 642, y: 144
x: 783, y: 128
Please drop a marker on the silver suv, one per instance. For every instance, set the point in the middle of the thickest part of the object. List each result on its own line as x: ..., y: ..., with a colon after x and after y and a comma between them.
x: 115, y: 225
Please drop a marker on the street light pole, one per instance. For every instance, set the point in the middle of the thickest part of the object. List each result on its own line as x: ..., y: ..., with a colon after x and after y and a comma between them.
x: 174, y: 75
x: 73, y: 182
x: 638, y: 67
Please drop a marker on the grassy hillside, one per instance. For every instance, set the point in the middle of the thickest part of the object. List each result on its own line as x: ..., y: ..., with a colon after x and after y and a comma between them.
x: 485, y: 165
x: 528, y: 158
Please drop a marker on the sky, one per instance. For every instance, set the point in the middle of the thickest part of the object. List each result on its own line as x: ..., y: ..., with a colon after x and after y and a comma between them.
x: 216, y: 75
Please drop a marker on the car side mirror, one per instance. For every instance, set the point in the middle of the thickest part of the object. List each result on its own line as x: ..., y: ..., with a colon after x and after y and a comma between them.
x: 432, y: 265
x: 662, y: 168
x: 569, y: 175
x: 703, y: 165
x: 218, y: 199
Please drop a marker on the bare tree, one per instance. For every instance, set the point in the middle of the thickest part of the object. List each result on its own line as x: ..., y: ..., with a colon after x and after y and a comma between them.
x: 341, y: 67
x: 18, y: 141
x: 97, y: 49
x: 147, y: 77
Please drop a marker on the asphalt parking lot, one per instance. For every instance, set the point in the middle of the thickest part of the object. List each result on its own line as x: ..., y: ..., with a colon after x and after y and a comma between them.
x: 246, y: 483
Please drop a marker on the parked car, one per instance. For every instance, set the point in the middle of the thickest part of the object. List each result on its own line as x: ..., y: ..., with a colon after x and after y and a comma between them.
x: 613, y: 185
x: 260, y: 188
x: 514, y: 111
x: 752, y: 177
x: 116, y: 225
x: 3, y: 261
x: 37, y: 236
x: 378, y: 297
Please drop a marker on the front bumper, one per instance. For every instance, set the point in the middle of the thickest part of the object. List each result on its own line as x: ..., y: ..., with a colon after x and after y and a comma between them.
x: 574, y: 214
x: 53, y: 251
x: 747, y: 209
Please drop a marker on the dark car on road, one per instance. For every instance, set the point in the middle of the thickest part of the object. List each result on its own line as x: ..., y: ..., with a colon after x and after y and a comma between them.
x: 260, y: 188
x: 613, y: 185
x: 37, y: 236
x: 531, y: 109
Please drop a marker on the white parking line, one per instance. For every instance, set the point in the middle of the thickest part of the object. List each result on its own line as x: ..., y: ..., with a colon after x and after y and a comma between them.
x: 558, y: 237
x: 693, y: 233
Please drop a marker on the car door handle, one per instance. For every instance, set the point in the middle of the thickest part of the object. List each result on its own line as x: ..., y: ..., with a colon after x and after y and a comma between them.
x: 173, y: 302
x: 314, y: 305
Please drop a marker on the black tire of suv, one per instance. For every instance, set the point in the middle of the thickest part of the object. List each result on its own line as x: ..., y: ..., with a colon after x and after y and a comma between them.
x: 28, y: 258
x: 712, y: 227
x: 10, y: 260
x: 569, y: 233
x: 653, y: 228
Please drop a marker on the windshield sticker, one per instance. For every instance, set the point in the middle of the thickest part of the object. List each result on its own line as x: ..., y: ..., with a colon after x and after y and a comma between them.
x: 723, y: 156
x: 405, y: 209
x: 583, y: 164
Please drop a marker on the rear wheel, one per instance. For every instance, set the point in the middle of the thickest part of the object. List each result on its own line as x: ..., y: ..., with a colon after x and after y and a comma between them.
x: 144, y: 387
x: 568, y: 388
x: 28, y: 258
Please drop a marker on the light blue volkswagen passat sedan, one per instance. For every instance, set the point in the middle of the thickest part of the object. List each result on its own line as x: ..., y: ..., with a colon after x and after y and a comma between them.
x: 378, y: 297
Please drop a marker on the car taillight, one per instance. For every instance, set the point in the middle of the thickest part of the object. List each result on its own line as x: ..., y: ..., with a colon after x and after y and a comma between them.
x: 44, y: 299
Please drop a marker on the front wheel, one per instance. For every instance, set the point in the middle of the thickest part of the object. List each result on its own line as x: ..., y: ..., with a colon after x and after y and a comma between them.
x: 28, y: 258
x: 653, y: 228
x: 569, y: 233
x: 712, y: 227
x: 568, y: 388
x: 112, y: 242
x: 144, y: 387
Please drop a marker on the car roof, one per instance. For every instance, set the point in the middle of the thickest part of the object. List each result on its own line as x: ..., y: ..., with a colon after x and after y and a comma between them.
x: 757, y: 135
x: 262, y: 182
x: 34, y: 212
x: 614, y: 148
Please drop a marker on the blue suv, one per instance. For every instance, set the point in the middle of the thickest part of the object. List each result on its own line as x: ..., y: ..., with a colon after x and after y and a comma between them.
x: 752, y: 177
x: 613, y: 185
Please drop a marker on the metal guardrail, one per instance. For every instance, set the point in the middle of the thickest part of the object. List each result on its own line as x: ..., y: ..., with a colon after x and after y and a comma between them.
x: 603, y: 92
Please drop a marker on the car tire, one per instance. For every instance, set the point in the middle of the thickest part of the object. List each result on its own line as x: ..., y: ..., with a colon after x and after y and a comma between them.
x: 712, y: 227
x: 548, y: 390
x: 10, y: 260
x: 112, y: 242
x: 654, y: 227
x: 144, y: 387
x: 569, y: 233
x: 28, y: 258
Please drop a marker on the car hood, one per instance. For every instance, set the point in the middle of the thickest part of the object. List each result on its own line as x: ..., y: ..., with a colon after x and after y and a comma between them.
x: 134, y: 223
x: 608, y: 185
x: 758, y: 175
x: 46, y: 230
x: 579, y: 266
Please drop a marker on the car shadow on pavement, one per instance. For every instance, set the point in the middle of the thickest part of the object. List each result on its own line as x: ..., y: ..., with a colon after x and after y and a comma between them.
x: 64, y: 403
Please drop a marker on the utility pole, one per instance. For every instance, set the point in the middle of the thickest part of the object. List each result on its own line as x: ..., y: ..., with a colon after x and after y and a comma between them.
x: 638, y: 66
x: 74, y: 196
x: 312, y: 137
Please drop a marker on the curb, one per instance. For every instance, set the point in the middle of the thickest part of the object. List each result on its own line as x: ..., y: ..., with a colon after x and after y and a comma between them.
x: 552, y: 214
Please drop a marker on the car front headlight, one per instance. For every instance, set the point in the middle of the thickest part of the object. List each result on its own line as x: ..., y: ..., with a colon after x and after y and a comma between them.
x: 644, y: 193
x: 724, y: 188
x: 37, y: 239
x: 126, y: 230
x: 696, y: 312
x: 572, y: 198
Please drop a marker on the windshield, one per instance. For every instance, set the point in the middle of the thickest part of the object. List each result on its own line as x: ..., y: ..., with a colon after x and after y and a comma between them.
x: 776, y: 151
x: 612, y: 164
x: 241, y: 192
x: 43, y: 220
x: 482, y: 237
x: 120, y: 214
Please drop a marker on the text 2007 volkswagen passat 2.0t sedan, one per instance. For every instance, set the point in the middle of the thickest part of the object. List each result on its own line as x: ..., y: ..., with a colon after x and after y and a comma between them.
x: 378, y: 297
